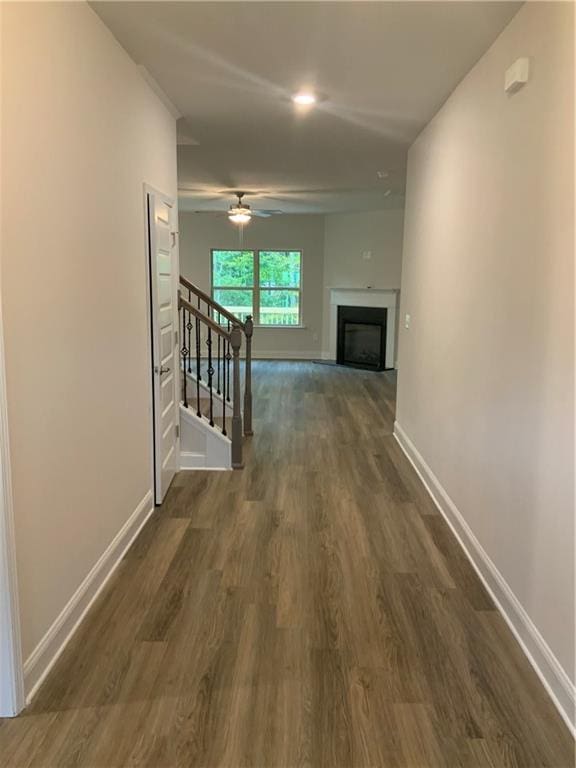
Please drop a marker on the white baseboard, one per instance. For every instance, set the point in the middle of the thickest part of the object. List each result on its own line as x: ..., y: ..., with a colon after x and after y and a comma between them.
x: 46, y: 653
x: 555, y: 680
x: 291, y: 355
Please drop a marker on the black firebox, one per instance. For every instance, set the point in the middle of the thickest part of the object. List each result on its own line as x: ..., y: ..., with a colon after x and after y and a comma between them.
x: 362, y: 337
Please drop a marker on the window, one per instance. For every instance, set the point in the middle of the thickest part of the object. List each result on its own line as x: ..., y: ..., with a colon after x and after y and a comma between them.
x: 233, y: 281
x: 265, y: 284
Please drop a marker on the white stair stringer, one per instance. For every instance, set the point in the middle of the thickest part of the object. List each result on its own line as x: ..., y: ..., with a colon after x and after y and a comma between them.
x: 202, y: 446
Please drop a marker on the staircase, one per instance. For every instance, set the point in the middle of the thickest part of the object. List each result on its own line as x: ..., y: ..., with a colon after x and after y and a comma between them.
x: 213, y: 422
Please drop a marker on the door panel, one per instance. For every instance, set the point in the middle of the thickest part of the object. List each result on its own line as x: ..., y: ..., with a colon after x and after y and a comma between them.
x: 164, y: 291
x: 166, y: 343
x: 166, y: 395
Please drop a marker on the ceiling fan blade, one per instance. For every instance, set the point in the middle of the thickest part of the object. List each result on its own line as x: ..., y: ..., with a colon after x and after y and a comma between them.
x: 265, y: 214
x: 189, y: 193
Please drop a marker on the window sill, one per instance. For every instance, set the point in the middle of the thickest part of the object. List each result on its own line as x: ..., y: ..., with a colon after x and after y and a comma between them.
x: 284, y: 327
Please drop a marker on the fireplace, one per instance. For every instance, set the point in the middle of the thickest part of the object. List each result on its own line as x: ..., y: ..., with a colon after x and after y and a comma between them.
x: 361, y: 340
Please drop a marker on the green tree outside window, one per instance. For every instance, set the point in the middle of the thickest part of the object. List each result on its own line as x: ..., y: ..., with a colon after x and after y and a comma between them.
x: 265, y: 284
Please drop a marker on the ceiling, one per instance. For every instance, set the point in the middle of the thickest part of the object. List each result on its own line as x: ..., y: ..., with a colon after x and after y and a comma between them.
x: 382, y: 68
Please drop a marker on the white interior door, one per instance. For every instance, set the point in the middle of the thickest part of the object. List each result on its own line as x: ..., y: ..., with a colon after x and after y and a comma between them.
x: 164, y: 316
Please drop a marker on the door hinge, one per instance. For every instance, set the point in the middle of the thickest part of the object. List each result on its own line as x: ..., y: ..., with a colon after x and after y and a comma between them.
x: 177, y: 429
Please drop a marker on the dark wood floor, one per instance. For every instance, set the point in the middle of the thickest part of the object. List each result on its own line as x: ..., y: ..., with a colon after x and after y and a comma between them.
x: 310, y: 610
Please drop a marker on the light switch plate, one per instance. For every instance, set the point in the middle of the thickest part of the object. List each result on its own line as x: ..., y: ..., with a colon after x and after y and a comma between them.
x: 407, y: 319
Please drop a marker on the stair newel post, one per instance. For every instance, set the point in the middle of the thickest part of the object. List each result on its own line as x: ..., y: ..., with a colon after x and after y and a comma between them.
x: 224, y: 343
x: 236, y: 341
x: 248, y: 330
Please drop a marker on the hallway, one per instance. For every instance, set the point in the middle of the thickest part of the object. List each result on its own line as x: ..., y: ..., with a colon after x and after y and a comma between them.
x: 310, y: 610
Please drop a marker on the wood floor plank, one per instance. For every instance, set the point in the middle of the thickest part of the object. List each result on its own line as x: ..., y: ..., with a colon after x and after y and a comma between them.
x: 311, y: 611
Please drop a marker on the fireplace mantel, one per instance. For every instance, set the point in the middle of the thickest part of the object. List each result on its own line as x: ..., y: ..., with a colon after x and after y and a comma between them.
x: 365, y: 297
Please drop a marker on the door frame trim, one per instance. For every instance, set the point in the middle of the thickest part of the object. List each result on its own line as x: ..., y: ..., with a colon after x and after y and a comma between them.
x: 148, y: 189
x: 12, y: 698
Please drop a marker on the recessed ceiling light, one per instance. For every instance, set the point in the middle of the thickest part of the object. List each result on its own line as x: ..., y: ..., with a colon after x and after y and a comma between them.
x: 382, y: 174
x: 304, y: 98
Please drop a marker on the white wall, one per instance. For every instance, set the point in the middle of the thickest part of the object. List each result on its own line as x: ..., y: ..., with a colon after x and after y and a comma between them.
x: 332, y: 248
x: 81, y: 133
x: 200, y: 232
x: 349, y: 238
x: 486, y: 380
x: 352, y: 236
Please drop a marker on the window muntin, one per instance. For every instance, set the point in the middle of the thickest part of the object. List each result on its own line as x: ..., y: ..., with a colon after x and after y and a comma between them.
x: 266, y: 284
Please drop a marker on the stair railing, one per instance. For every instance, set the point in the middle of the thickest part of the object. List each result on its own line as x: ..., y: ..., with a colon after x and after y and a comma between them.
x: 225, y: 318
x: 207, y: 329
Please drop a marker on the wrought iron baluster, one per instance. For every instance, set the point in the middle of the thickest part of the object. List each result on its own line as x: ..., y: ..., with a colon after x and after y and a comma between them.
x: 198, y: 368
x: 224, y: 406
x: 184, y: 352
x: 210, y: 375
x: 227, y: 373
x: 218, y: 363
x: 189, y: 328
x: 198, y: 412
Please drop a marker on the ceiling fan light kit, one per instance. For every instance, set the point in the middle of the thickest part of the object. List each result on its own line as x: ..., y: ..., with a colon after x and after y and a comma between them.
x: 240, y: 213
x: 239, y: 217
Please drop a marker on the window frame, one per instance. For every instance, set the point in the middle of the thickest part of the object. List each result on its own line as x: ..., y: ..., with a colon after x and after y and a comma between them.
x: 256, y: 287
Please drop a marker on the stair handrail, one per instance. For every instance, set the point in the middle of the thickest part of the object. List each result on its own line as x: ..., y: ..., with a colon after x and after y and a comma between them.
x: 211, y: 302
x: 204, y: 318
x: 232, y: 338
x: 247, y: 327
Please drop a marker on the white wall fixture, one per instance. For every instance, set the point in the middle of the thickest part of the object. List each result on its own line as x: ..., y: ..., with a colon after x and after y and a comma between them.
x: 517, y: 75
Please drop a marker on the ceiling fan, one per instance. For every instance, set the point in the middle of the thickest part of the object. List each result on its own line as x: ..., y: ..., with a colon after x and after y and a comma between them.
x: 239, y: 208
x: 241, y: 213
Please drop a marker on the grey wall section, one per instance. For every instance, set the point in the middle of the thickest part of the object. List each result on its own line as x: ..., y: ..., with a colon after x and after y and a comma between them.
x: 348, y: 240
x: 486, y: 380
x: 200, y: 232
x: 81, y: 133
x: 350, y: 237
